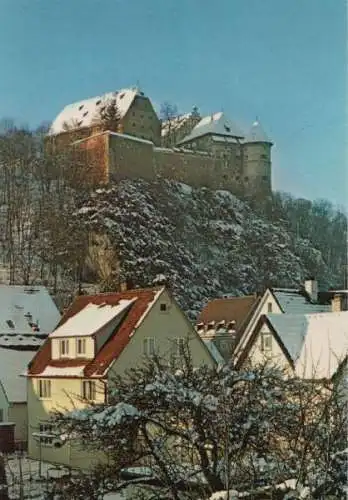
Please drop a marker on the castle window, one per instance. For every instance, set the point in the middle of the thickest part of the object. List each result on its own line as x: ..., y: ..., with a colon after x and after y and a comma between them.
x: 133, y: 124
x: 227, y: 128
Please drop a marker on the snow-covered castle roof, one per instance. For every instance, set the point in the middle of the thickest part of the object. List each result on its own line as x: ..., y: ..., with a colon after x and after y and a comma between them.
x: 84, y: 113
x: 217, y: 124
x: 257, y: 134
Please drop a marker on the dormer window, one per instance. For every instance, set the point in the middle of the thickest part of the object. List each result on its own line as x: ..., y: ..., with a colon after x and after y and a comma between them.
x: 81, y: 347
x: 64, y: 348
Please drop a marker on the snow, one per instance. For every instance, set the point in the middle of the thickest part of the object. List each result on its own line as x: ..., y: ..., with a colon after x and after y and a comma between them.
x: 325, y: 345
x: 12, y: 364
x: 55, y: 371
x: 16, y: 301
x: 115, y: 415
x: 90, y: 319
x: 217, y: 124
x: 87, y: 111
x: 214, y: 351
x: 257, y: 134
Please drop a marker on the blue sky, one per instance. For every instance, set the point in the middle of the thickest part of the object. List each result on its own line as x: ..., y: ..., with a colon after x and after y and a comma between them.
x: 281, y: 60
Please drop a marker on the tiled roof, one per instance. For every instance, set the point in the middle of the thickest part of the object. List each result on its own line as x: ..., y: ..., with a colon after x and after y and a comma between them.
x: 229, y: 309
x: 217, y: 125
x: 142, y: 300
x: 297, y: 302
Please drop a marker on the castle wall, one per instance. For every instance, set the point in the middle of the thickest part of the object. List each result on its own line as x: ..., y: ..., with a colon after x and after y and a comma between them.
x: 195, y: 169
x: 130, y: 158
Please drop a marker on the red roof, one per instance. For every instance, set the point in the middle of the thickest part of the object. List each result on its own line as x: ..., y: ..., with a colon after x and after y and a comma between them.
x: 229, y: 309
x: 116, y: 343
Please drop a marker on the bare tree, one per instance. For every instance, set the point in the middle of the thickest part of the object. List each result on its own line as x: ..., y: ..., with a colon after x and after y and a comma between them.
x: 202, y: 430
x: 168, y: 114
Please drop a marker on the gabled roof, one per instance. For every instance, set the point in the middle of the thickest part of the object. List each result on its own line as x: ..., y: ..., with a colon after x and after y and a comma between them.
x: 294, y: 301
x: 316, y: 344
x: 134, y: 306
x: 257, y: 134
x: 217, y: 125
x: 22, y: 305
x: 13, y: 364
x: 85, y: 113
x: 229, y: 309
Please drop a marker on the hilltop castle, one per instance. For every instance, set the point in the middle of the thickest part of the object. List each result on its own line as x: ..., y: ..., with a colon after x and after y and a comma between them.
x: 200, y: 151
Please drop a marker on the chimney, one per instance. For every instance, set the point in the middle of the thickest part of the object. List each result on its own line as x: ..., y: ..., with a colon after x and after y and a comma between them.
x: 311, y: 287
x: 339, y: 302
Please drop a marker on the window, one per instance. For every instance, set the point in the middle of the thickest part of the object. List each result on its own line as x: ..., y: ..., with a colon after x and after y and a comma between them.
x: 44, y: 389
x: 10, y: 323
x: 269, y: 307
x: 64, y: 347
x: 88, y: 390
x: 246, y: 178
x: 266, y: 342
x: 163, y: 307
x: 149, y: 346
x: 1, y: 415
x: 80, y: 347
x: 46, y: 434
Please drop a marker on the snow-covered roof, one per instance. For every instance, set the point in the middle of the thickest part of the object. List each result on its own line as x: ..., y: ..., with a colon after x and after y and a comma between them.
x: 214, y: 351
x: 325, y: 346
x: 122, y: 312
x: 85, y: 113
x: 91, y: 319
x: 296, y: 302
x: 317, y: 343
x: 257, y: 134
x: 217, y: 124
x: 22, y: 305
x: 12, y: 364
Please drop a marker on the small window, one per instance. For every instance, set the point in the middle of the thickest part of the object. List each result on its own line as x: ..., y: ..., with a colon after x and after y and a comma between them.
x: 10, y: 323
x: 80, y: 347
x: 46, y: 434
x: 133, y: 124
x: 85, y: 113
x: 163, y: 307
x: 88, y: 390
x: 1, y: 415
x: 149, y: 346
x: 269, y: 307
x: 44, y: 388
x: 266, y: 342
x: 80, y: 107
x: 227, y: 128
x: 64, y: 348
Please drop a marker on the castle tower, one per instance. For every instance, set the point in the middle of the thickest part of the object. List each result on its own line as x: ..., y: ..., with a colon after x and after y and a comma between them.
x: 257, y: 175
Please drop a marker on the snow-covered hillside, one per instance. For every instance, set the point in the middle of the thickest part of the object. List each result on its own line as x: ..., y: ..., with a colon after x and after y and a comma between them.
x: 205, y: 243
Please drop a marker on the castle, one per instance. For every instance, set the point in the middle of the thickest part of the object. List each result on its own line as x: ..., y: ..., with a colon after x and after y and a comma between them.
x: 200, y: 151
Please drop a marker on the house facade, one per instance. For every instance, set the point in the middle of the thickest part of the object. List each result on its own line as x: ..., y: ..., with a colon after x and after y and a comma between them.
x: 306, y: 300
x: 311, y: 346
x: 99, y: 337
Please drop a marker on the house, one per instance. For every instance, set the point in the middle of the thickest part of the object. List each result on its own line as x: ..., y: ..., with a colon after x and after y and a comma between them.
x: 307, y: 300
x: 222, y: 321
x: 98, y: 337
x: 27, y: 316
x: 312, y: 346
